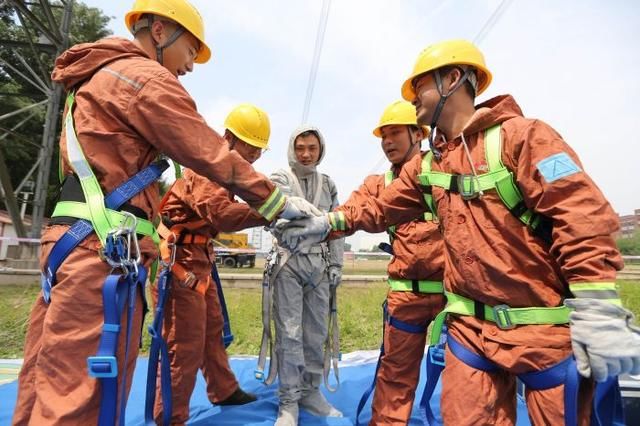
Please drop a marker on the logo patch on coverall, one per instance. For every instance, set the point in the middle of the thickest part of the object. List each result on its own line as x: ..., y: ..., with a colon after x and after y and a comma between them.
x: 557, y: 166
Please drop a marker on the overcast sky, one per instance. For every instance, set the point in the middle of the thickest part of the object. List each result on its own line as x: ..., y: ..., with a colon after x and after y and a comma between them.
x: 573, y: 64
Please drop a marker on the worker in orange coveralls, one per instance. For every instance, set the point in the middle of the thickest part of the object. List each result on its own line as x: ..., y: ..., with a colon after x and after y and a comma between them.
x: 415, y: 272
x: 128, y: 108
x: 530, y: 261
x: 196, y: 209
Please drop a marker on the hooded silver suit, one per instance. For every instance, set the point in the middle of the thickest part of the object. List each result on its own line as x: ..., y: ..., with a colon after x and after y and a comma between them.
x: 301, y: 287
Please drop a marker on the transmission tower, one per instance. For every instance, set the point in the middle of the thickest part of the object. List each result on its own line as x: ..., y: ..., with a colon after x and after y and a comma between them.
x: 40, y: 35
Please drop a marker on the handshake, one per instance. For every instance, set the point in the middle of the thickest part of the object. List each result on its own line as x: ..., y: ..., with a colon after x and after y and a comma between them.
x: 301, y: 225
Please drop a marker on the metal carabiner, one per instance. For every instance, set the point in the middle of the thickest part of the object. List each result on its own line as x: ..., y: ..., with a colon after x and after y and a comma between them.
x: 118, y: 248
x: 171, y: 244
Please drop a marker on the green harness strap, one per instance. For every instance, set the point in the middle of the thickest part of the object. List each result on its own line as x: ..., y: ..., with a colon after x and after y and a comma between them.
x: 80, y: 210
x: 102, y: 219
x: 499, y: 177
x: 423, y: 286
x: 90, y: 187
x: 504, y: 316
x: 388, y: 178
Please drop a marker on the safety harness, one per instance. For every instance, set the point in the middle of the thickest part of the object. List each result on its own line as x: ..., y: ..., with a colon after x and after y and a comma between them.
x: 276, y: 259
x: 428, y: 216
x: 177, y: 235
x: 396, y: 284
x: 117, y: 232
x: 227, y: 335
x: 187, y: 278
x: 332, y: 343
x: 158, y: 350
x: 271, y: 267
x: 500, y: 179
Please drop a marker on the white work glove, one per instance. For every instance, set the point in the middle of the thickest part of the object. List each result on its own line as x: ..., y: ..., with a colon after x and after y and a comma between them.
x: 297, y: 208
x: 335, y: 275
x: 299, y: 235
x: 604, y: 342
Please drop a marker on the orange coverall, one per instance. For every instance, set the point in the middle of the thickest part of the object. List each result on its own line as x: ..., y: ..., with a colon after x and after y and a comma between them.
x: 418, y: 255
x: 193, y: 321
x: 492, y: 258
x: 128, y: 110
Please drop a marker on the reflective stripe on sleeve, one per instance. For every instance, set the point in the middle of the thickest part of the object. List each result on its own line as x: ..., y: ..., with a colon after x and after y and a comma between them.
x: 273, y: 205
x: 599, y: 290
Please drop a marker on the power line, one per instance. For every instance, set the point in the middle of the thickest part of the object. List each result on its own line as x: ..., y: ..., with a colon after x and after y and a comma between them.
x: 490, y: 23
x: 322, y: 26
x: 484, y: 30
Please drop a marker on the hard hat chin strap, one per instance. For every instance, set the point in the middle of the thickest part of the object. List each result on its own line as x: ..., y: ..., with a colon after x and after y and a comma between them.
x: 468, y: 75
x: 412, y: 143
x: 232, y: 142
x: 147, y: 23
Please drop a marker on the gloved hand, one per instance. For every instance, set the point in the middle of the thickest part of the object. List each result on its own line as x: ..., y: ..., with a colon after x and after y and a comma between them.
x: 299, y: 235
x: 296, y: 208
x: 604, y: 342
x: 335, y: 275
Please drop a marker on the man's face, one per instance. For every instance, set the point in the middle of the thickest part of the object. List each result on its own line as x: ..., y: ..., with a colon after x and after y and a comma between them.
x: 307, y: 149
x: 177, y: 58
x: 426, y: 99
x: 395, y: 142
x: 246, y: 151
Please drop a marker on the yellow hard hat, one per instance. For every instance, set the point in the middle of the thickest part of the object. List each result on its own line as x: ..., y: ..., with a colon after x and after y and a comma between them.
x: 401, y: 113
x: 451, y: 52
x: 179, y: 11
x: 250, y: 124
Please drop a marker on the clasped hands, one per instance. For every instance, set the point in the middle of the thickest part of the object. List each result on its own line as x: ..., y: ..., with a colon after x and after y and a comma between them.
x: 297, y: 233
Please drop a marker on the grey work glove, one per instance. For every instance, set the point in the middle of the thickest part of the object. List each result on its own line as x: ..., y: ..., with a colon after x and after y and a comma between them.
x: 335, y: 275
x: 296, y: 208
x: 604, y: 341
x: 299, y: 235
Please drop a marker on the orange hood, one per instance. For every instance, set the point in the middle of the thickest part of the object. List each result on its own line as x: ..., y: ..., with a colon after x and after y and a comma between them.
x: 494, y: 111
x: 81, y: 61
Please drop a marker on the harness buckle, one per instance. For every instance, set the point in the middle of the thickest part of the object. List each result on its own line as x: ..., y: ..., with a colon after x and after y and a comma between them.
x: 467, y: 185
x: 189, y: 280
x: 121, y: 248
x: 436, y: 355
x: 258, y: 374
x: 102, y: 366
x: 501, y: 317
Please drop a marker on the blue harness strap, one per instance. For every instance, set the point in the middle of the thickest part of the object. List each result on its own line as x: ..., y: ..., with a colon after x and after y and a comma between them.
x: 81, y: 229
x: 158, y: 352
x: 400, y: 325
x: 607, y: 404
x: 469, y: 357
x: 434, y: 364
x: 367, y: 393
x: 117, y: 290
x: 227, y: 336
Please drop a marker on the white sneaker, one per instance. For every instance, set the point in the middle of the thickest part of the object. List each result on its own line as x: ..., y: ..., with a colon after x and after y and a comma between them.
x: 316, y: 404
x: 287, y: 415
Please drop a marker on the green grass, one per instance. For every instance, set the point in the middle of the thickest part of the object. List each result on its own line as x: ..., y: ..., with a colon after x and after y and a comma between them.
x: 358, y: 310
x: 15, y: 305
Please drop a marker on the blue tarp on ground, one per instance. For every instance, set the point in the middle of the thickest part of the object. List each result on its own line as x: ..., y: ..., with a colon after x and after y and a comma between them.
x: 355, y: 375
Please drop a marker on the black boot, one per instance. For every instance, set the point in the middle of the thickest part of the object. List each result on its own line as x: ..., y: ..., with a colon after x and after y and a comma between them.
x: 239, y: 397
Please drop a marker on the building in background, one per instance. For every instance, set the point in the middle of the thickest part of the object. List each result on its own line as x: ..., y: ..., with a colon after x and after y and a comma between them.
x: 8, y: 243
x: 629, y: 224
